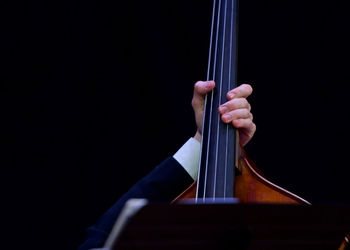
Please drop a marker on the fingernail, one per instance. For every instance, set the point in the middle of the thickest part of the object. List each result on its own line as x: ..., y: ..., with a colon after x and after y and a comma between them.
x: 231, y: 95
x: 222, y: 109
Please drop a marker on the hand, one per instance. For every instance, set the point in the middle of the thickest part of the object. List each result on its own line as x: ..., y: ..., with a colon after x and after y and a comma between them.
x: 236, y: 110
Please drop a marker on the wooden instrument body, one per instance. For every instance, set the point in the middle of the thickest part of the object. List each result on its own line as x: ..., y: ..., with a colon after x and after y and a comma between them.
x: 252, y: 187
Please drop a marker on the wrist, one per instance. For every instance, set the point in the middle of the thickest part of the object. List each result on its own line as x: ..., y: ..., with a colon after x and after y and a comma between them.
x: 198, y: 136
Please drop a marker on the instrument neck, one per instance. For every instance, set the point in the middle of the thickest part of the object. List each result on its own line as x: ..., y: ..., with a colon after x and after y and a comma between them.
x: 218, y: 148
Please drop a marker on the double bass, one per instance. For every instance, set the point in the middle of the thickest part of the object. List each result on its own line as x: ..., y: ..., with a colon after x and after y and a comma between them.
x: 225, y: 171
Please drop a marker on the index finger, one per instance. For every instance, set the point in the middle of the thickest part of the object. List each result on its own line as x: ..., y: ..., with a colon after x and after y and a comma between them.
x: 242, y: 91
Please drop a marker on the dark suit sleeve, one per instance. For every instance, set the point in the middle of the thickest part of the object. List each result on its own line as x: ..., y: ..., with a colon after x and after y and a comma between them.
x: 164, y: 183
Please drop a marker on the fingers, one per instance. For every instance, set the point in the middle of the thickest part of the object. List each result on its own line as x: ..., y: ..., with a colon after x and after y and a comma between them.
x: 244, y: 123
x: 237, y: 112
x: 236, y: 115
x: 242, y: 91
x: 246, y: 128
x: 233, y: 104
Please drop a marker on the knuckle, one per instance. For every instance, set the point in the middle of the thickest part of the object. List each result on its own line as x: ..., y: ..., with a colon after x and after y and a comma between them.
x: 197, y: 84
x: 237, y: 123
x: 249, y: 107
x: 237, y: 103
x: 254, y: 127
x: 194, y: 102
x: 246, y: 113
x: 245, y: 103
x: 232, y: 104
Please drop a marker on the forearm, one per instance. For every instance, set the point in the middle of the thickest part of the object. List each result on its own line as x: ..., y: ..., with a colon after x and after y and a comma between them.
x: 164, y: 183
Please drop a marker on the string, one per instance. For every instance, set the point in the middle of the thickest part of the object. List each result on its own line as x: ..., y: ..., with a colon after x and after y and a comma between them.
x: 212, y: 93
x: 206, y: 99
x: 228, y: 89
x: 220, y: 94
x: 212, y: 97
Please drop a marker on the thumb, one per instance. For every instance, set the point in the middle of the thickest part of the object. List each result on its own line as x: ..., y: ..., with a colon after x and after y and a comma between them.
x: 201, y: 88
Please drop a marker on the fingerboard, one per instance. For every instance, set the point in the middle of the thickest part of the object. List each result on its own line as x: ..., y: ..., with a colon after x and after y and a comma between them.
x: 218, y: 147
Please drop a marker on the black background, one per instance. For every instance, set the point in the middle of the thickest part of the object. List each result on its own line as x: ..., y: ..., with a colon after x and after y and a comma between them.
x: 94, y: 94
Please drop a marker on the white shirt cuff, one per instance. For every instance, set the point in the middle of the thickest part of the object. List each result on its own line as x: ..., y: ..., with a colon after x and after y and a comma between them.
x: 188, y: 157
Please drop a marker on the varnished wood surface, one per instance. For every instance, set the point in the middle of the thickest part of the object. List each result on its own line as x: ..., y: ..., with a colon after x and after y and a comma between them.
x: 252, y: 187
